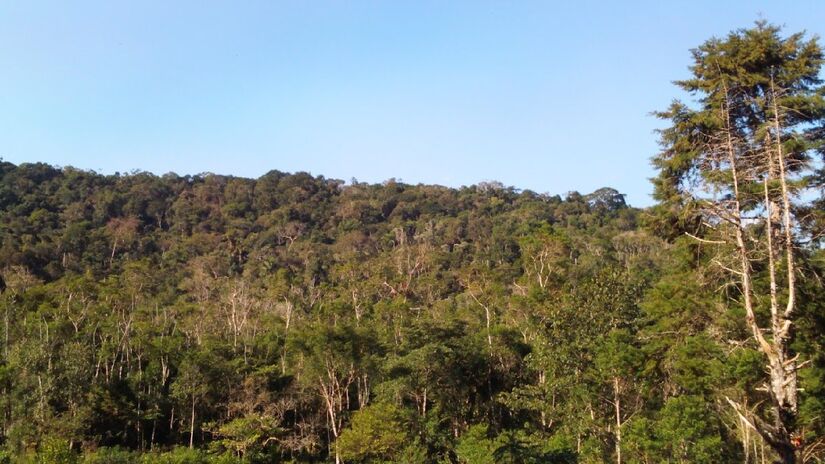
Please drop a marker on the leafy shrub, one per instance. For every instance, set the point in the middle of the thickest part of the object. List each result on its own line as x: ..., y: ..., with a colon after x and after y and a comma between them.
x: 114, y: 455
x: 55, y: 451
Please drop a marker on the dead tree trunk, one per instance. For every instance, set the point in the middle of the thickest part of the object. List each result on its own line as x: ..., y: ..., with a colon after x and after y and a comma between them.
x: 781, y: 366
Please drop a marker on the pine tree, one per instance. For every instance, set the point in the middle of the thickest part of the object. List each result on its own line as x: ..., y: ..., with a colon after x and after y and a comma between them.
x: 740, y: 162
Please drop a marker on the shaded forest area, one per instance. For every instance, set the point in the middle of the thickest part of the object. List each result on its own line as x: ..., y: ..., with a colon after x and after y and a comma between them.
x: 293, y: 318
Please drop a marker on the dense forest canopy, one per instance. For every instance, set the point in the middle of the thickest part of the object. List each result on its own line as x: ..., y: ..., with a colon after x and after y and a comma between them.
x: 293, y: 318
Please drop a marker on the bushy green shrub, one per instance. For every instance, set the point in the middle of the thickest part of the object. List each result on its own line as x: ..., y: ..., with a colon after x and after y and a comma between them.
x: 177, y: 455
x: 55, y: 451
x: 113, y: 455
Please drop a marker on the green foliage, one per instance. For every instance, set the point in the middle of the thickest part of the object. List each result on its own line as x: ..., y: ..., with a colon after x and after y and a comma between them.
x: 689, y: 430
x: 476, y: 447
x: 684, y: 430
x: 178, y: 455
x: 290, y: 317
x: 510, y: 446
x: 114, y: 455
x: 377, y: 432
x: 55, y: 451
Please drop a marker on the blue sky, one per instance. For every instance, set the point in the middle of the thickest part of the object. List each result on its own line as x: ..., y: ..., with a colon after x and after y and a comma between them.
x: 549, y: 96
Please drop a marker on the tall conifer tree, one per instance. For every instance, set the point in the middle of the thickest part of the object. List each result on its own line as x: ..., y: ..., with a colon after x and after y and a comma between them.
x: 740, y: 162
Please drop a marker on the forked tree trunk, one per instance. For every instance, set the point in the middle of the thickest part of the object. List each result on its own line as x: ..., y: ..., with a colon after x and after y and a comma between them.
x: 781, y: 367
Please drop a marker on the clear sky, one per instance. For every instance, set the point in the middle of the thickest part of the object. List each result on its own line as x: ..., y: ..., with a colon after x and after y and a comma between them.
x: 549, y: 96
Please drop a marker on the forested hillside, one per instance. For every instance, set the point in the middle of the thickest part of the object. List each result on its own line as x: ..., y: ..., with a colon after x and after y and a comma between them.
x: 293, y: 318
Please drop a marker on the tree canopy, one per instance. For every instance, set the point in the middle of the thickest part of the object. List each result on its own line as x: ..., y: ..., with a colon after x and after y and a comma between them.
x: 295, y: 318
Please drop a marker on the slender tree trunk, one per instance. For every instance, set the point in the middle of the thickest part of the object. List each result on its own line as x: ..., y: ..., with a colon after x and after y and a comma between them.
x: 332, y: 401
x: 192, y: 425
x: 781, y: 368
x: 487, y: 319
x: 6, y: 337
x: 288, y: 320
x: 152, y: 437
x: 114, y: 249
x: 618, y: 407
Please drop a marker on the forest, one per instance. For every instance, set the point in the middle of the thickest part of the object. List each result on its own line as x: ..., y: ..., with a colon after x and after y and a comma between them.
x: 295, y: 318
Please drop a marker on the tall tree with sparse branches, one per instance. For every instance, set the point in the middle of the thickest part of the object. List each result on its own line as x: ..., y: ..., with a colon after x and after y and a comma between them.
x: 739, y: 163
